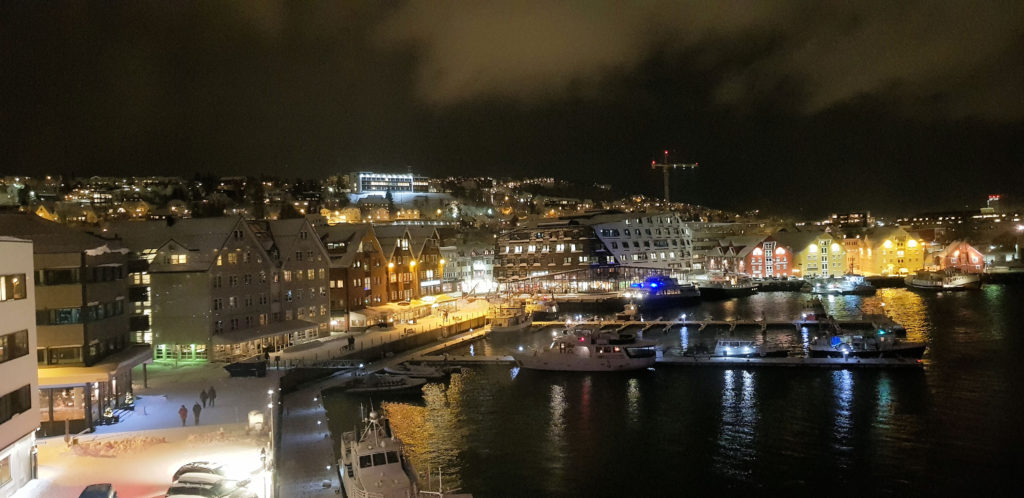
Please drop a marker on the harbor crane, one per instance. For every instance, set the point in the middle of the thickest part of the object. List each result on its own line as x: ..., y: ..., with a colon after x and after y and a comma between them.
x: 666, y: 166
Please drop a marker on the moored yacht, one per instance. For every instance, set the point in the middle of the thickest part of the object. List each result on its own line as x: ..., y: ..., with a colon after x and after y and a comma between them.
x: 943, y: 280
x: 590, y: 351
x: 726, y: 287
x: 747, y: 349
x: 660, y: 291
x: 859, y: 346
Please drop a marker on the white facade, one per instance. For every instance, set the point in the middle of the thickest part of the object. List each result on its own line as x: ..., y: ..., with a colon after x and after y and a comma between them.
x: 647, y: 240
x: 19, y: 384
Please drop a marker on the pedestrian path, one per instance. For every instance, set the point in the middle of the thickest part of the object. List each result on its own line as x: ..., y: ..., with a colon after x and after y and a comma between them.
x: 306, y: 455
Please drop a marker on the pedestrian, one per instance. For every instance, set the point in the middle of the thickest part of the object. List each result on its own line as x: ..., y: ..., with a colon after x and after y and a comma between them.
x: 213, y: 396
x: 195, y: 412
x: 203, y: 396
x: 183, y: 413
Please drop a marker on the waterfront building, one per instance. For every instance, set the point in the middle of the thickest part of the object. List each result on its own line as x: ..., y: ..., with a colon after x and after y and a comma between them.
x: 358, y: 274
x: 19, y: 400
x: 426, y: 249
x: 654, y: 241
x: 303, y: 262
x: 403, y: 281
x: 216, y: 287
x: 707, y: 236
x: 84, y: 347
x: 958, y: 255
x: 758, y: 256
x: 883, y: 251
x: 813, y: 254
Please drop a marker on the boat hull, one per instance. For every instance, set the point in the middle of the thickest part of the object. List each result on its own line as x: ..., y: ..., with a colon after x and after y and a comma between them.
x: 514, y: 327
x: 726, y: 292
x: 568, y: 363
x: 907, y: 352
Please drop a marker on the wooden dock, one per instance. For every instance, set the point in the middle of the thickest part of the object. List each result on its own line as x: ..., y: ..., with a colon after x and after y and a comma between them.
x: 659, y: 325
x: 712, y: 361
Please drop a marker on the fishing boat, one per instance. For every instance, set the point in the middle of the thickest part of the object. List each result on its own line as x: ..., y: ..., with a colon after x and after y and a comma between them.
x: 510, y: 317
x: 542, y: 309
x: 628, y: 313
x: 849, y: 285
x: 416, y: 371
x: 373, y: 383
x: 943, y: 280
x: 584, y: 350
x: 864, y: 346
x: 726, y: 287
x: 373, y: 462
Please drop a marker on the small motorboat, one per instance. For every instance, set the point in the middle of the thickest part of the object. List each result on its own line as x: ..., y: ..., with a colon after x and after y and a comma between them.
x: 416, y: 371
x: 373, y: 383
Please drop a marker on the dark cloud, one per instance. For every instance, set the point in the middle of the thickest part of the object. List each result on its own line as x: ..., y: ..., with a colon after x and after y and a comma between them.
x: 963, y: 56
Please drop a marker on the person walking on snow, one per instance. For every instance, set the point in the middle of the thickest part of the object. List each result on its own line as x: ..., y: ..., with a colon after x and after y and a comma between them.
x: 213, y: 396
x: 202, y: 397
x: 183, y: 413
x: 195, y: 412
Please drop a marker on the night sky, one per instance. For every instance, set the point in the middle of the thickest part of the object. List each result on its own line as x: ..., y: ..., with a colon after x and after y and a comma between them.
x: 789, y: 106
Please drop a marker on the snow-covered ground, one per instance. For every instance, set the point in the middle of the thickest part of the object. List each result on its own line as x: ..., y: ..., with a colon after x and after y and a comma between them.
x: 141, y: 452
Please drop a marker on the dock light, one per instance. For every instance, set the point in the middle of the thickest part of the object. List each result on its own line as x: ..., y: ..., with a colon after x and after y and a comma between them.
x: 360, y: 365
x: 270, y: 391
x: 684, y: 316
x: 270, y: 405
x: 520, y: 348
x: 314, y: 399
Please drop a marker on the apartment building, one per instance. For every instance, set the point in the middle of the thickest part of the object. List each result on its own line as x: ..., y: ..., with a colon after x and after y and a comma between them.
x: 403, y: 278
x: 84, y: 347
x: 19, y: 401
x: 358, y: 274
x: 814, y: 254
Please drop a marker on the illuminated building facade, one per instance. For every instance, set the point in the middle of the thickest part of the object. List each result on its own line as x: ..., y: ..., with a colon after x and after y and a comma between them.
x: 813, y: 254
x: 367, y: 181
x: 884, y: 251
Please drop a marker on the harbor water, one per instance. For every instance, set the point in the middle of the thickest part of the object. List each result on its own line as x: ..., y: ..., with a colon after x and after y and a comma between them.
x: 955, y: 427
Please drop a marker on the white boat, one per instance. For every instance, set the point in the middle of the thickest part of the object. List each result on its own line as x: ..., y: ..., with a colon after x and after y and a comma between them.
x: 584, y: 350
x: 943, y: 280
x: 747, y: 349
x: 416, y: 371
x: 854, y: 285
x: 510, y: 318
x: 371, y: 383
x: 373, y: 463
x: 627, y: 314
x: 726, y: 287
x: 859, y: 346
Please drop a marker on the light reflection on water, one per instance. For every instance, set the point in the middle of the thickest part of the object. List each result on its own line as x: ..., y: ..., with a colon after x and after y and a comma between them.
x: 952, y: 429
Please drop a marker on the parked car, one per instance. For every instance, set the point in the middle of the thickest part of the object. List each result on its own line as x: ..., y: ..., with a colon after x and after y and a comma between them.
x: 200, y: 467
x: 209, y: 486
x: 103, y: 490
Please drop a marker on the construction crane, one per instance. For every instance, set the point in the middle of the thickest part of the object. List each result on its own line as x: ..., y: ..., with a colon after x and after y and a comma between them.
x: 665, y: 166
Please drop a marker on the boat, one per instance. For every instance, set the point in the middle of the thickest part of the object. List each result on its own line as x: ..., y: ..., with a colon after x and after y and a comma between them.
x: 510, y: 317
x: 849, y: 285
x: 943, y: 280
x: 864, y: 346
x: 659, y: 291
x: 731, y: 348
x: 584, y: 350
x: 627, y: 314
x: 542, y: 309
x: 416, y: 371
x: 726, y: 287
x: 372, y: 383
x: 373, y: 462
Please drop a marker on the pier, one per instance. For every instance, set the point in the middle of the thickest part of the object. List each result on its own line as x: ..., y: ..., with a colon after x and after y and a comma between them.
x: 713, y: 361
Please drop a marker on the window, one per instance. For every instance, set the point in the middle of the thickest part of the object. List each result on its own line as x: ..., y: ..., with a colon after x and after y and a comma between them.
x: 179, y: 259
x: 233, y: 280
x: 5, y: 470
x: 248, y: 279
x: 13, y: 345
x: 11, y: 404
x: 218, y: 304
x: 310, y: 274
x: 12, y: 287
x: 287, y: 276
x: 232, y: 258
x: 298, y: 255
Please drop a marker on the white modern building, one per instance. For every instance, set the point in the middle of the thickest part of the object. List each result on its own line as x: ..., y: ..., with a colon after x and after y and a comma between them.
x: 19, y: 384
x: 367, y: 181
x: 658, y: 241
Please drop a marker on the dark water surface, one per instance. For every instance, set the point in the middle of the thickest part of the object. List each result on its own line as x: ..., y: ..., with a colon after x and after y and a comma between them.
x: 953, y: 428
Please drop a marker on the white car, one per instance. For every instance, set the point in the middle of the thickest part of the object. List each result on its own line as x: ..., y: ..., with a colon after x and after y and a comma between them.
x: 209, y: 486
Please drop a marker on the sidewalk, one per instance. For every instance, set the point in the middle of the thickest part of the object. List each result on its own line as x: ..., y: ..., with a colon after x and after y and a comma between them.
x: 141, y: 452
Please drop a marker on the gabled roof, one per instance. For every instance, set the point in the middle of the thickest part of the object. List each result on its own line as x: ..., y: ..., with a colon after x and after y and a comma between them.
x: 875, y: 237
x: 202, y: 234
x: 418, y: 237
x: 388, y: 236
x: 49, y: 237
x: 800, y: 240
x: 350, y: 234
